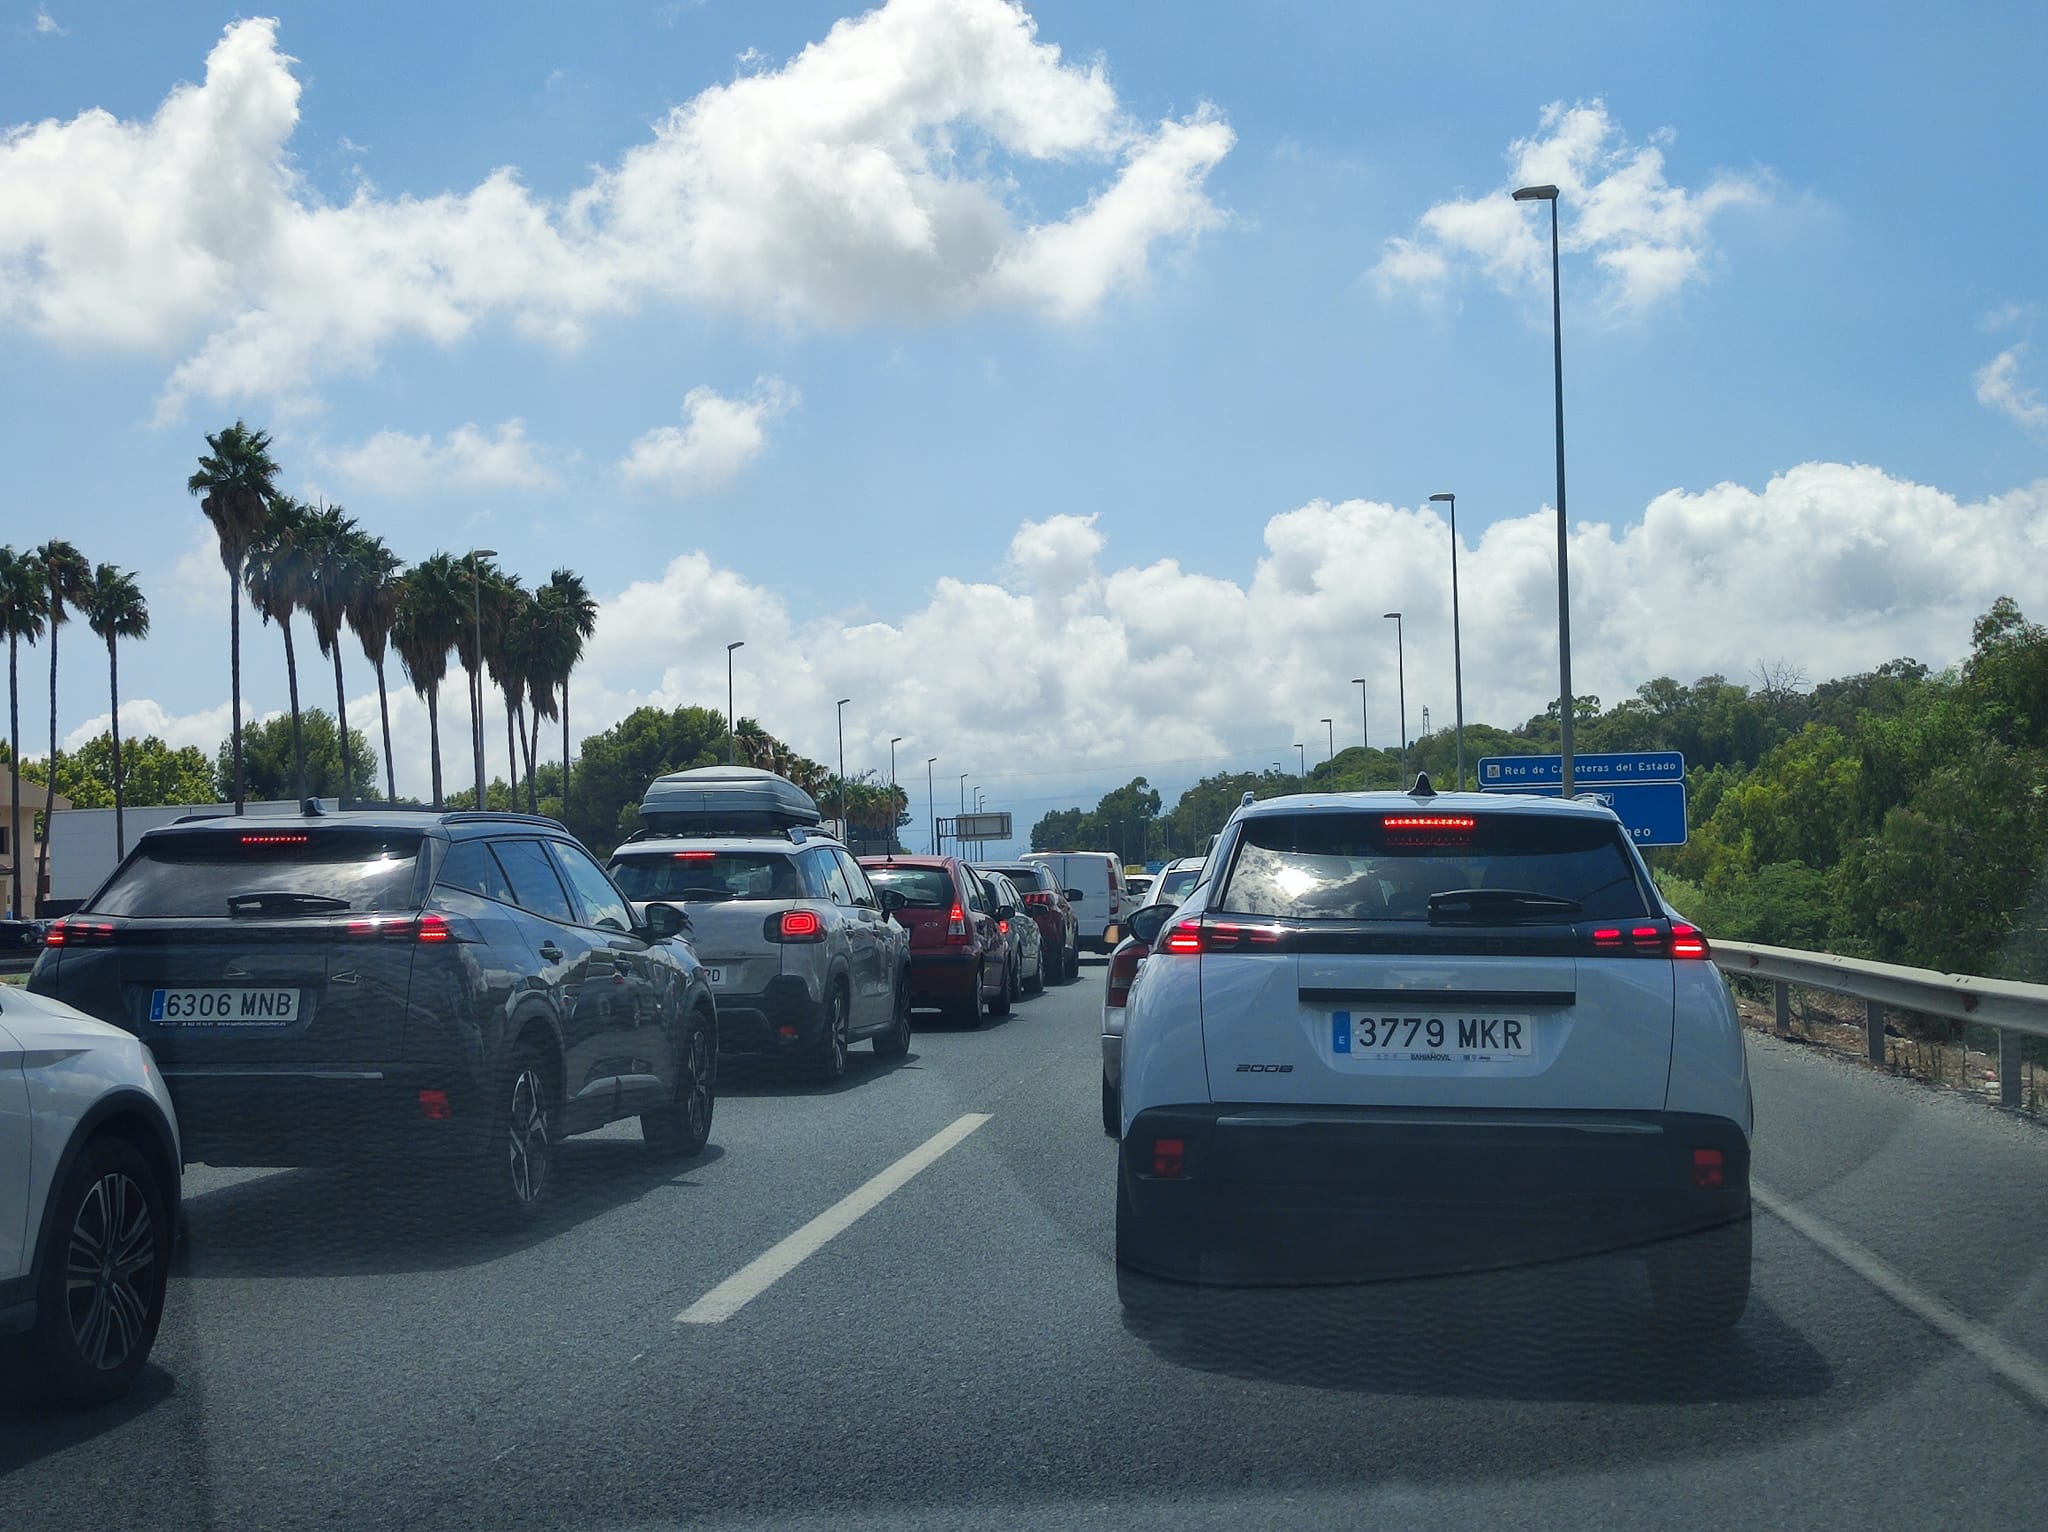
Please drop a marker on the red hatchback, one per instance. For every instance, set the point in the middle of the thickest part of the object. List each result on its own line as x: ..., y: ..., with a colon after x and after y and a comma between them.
x: 959, y: 954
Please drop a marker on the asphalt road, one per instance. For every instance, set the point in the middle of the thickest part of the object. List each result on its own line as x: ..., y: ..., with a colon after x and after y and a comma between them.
x: 339, y: 1351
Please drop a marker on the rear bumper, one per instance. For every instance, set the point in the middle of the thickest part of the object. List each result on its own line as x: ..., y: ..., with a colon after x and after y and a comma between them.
x: 326, y: 1116
x: 936, y: 977
x: 783, y: 1018
x: 1275, y: 1194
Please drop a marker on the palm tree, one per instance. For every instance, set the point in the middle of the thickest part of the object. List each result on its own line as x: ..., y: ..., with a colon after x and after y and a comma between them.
x: 569, y: 616
x: 66, y: 578
x: 479, y: 577
x: 372, y: 606
x: 276, y: 575
x: 114, y: 609
x: 539, y: 687
x: 236, y: 480
x: 21, y: 617
x: 432, y: 610
x: 507, y: 604
x: 328, y: 548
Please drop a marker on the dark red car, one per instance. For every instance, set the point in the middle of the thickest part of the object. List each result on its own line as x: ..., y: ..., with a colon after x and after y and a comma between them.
x: 959, y: 953
x: 1046, y: 903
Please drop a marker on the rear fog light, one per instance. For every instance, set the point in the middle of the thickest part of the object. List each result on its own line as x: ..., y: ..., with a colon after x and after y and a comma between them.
x: 1707, y: 1173
x: 1169, y: 1156
x: 785, y: 1031
x: 434, y: 1106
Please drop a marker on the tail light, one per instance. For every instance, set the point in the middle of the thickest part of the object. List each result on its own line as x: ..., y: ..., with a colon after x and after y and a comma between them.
x: 1169, y: 1156
x: 1003, y: 926
x: 1123, y: 968
x: 428, y: 929
x: 1708, y: 1173
x: 1412, y: 830
x: 956, y: 923
x: 434, y: 1106
x: 79, y: 933
x: 795, y: 926
x: 1189, y: 937
x: 1652, y: 939
x: 1183, y: 939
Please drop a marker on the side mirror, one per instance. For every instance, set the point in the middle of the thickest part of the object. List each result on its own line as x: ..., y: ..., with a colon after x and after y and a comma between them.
x: 1072, y: 894
x: 1005, y: 911
x: 1149, y: 921
x: 893, y: 899
x: 665, y: 920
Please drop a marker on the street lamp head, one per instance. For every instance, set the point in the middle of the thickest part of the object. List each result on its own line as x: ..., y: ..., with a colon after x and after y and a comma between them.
x: 1440, y: 499
x: 931, y: 760
x: 1536, y: 194
x: 899, y: 740
x: 843, y: 701
x: 483, y: 553
x: 1391, y: 616
x: 1323, y: 720
x: 1358, y: 680
x: 738, y: 643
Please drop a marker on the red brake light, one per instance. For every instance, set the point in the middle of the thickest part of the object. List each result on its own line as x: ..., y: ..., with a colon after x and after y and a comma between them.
x: 801, y: 925
x: 1184, y: 938
x: 1707, y: 1171
x: 76, y: 933
x: 275, y: 838
x: 1688, y: 941
x: 434, y: 1106
x: 695, y: 856
x: 433, y: 928
x: 1415, y: 830
x: 1003, y: 926
x: 1123, y: 968
x: 956, y: 923
x: 1169, y: 1156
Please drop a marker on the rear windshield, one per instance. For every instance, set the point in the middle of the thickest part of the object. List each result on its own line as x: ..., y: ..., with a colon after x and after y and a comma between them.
x: 1385, y: 867
x: 926, y: 888
x: 1031, y: 880
x: 708, y: 876
x: 252, y: 872
x: 1174, y: 885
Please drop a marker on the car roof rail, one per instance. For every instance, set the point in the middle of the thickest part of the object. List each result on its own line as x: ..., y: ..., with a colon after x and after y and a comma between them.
x: 500, y: 816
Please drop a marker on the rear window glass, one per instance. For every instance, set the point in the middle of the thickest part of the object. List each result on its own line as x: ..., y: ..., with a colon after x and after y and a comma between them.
x: 1030, y: 880
x: 926, y: 888
x: 705, y: 877
x: 1375, y: 867
x: 263, y: 873
x: 1174, y: 885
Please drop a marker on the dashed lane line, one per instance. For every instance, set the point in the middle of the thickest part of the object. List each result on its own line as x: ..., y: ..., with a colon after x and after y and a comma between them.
x: 783, y: 1257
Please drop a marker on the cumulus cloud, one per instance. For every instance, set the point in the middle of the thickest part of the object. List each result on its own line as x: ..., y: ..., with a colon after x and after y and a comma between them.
x: 1999, y: 388
x: 1843, y: 567
x: 883, y: 172
x: 1649, y: 236
x: 469, y: 458
x: 718, y: 438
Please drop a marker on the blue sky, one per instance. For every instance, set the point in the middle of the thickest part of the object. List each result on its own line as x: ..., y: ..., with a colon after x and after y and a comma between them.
x: 1058, y: 497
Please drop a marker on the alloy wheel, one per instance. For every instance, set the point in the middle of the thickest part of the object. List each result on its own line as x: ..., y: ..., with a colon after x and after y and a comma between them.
x: 109, y: 1271
x: 529, y: 1143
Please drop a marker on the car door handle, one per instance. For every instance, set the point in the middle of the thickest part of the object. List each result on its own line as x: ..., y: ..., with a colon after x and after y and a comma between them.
x: 551, y: 952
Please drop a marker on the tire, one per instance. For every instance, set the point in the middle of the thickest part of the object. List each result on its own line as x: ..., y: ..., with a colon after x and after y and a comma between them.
x: 100, y: 1298
x: 973, y: 1009
x: 679, y: 1131
x: 1700, y: 1283
x: 1035, y: 985
x: 1070, y: 963
x: 895, y: 1042
x: 516, y: 1173
x: 1112, y: 1109
x: 829, y: 1063
x: 1000, y: 1006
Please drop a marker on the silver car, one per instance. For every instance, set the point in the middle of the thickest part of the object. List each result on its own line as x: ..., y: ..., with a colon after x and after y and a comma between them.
x: 1399, y: 1033
x: 798, y: 946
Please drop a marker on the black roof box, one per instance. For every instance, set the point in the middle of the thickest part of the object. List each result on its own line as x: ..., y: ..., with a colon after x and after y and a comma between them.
x: 725, y: 800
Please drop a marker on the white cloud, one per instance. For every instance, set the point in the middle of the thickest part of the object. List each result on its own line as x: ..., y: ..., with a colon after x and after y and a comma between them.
x: 1648, y: 235
x: 46, y: 24
x: 718, y: 438
x: 880, y: 173
x: 1843, y: 567
x: 142, y: 715
x: 470, y: 458
x: 1999, y: 388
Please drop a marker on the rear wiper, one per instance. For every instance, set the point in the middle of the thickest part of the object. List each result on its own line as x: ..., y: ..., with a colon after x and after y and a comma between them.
x: 283, y: 902
x: 1497, y: 903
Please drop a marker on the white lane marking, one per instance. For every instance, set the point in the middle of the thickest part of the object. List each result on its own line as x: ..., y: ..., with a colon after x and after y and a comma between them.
x: 783, y: 1257
x: 2009, y: 1362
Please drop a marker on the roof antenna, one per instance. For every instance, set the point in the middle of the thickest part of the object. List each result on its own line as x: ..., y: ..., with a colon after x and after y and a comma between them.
x: 1423, y: 787
x: 310, y: 807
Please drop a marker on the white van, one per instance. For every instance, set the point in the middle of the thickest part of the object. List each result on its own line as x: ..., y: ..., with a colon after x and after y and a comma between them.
x: 1094, y: 881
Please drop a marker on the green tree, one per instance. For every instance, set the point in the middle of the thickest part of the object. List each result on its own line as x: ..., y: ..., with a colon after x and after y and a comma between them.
x: 279, y: 583
x: 66, y: 580
x: 152, y: 773
x: 372, y: 609
x: 236, y: 480
x: 272, y: 762
x: 114, y: 609
x: 431, y: 608
x: 614, y: 766
x: 22, y: 614
x: 507, y: 634
x: 567, y: 617
x: 329, y: 550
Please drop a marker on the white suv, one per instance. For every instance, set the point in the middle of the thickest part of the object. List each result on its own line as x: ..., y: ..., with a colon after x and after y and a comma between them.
x: 89, y: 1168
x: 1394, y: 1034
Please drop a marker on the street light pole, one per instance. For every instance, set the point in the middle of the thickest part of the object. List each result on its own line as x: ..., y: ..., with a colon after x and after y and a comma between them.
x: 1564, y: 583
x: 931, y: 798
x: 1301, y: 754
x: 844, y: 828
x: 732, y: 749
x: 889, y: 844
x: 476, y: 619
x: 1457, y: 642
x: 1333, y: 741
x: 1364, y: 734
x: 1401, y: 678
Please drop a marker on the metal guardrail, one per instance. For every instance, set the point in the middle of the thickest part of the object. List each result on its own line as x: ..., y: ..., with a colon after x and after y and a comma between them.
x: 2014, y: 1009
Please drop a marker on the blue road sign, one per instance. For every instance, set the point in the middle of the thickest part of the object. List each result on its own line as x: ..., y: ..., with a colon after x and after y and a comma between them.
x: 1499, y: 772
x: 1653, y: 813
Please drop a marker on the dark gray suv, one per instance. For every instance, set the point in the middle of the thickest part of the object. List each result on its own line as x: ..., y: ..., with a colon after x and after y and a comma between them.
x: 461, y: 988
